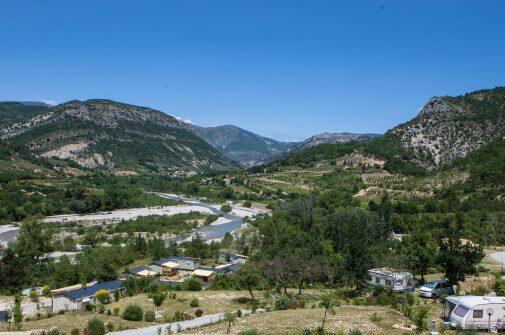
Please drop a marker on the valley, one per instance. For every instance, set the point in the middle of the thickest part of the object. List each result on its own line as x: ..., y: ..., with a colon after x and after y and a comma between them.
x: 290, y: 235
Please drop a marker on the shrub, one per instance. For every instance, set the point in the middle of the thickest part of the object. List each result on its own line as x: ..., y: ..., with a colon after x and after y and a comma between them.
x: 149, y: 316
x: 115, y: 310
x: 109, y: 326
x: 34, y: 296
x: 282, y: 303
x: 133, y: 312
x: 194, y: 303
x: 239, y: 313
x: 96, y: 327
x: 198, y: 313
x: 75, y: 331
x: 102, y: 296
x: 247, y: 204
x: 375, y: 317
x: 355, y: 332
x: 100, y: 308
x: 420, y: 317
x: 226, y: 208
x: 192, y: 284
x: 46, y: 292
x: 178, y: 316
x: 382, y: 299
x: 499, y: 287
x: 54, y: 331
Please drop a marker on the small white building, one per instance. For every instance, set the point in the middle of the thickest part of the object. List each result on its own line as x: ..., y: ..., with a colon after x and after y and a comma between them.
x: 74, y: 297
x: 226, y: 257
x: 395, y: 280
x: 476, y: 312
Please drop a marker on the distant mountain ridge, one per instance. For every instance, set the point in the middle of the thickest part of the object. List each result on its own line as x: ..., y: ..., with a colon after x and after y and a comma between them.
x: 100, y: 133
x: 445, y: 130
x: 243, y: 146
x: 325, y: 138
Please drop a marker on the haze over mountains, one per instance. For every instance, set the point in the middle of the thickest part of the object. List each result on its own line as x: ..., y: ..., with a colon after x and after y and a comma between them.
x: 106, y: 134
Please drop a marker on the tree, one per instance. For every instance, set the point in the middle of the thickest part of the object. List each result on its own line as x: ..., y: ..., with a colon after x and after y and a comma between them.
x: 226, y: 208
x: 458, y: 257
x: 421, y: 251
x: 385, y: 207
x: 248, y: 277
x: 359, y: 240
x: 328, y: 303
x: 158, y: 299
x: 229, y: 318
x: 17, y: 313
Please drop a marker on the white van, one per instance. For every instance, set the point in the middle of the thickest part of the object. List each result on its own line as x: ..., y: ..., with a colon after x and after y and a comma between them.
x: 435, y: 289
x: 474, y: 312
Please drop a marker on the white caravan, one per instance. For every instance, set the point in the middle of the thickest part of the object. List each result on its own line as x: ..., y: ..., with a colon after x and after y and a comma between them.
x: 475, y: 312
x: 394, y: 280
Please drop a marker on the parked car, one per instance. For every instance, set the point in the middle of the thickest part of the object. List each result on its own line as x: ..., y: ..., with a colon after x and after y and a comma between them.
x: 435, y: 289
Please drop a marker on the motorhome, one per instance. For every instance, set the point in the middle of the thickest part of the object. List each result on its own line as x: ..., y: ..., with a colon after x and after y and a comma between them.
x: 476, y: 312
x: 394, y: 280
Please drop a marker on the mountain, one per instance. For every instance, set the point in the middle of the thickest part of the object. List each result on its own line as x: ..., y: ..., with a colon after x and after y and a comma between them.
x: 14, y: 111
x: 333, y: 138
x: 103, y: 133
x: 243, y: 146
x: 446, y: 129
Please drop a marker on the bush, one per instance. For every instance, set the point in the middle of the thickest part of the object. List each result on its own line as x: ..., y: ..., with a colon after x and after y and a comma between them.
x: 133, y: 312
x: 499, y: 287
x: 96, y: 327
x: 75, y: 331
x: 226, y: 208
x: 192, y: 284
x: 178, y: 316
x: 247, y: 204
x: 54, y: 331
x: 420, y: 317
x: 239, y: 313
x: 194, y: 303
x: 115, y: 310
x: 198, y: 313
x: 110, y: 327
x: 282, y: 303
x: 34, y: 296
x: 102, y: 296
x: 249, y: 332
x: 382, y: 299
x: 355, y: 332
x: 149, y: 316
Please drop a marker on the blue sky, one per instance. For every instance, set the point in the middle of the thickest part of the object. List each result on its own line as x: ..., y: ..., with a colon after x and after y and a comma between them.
x: 284, y: 69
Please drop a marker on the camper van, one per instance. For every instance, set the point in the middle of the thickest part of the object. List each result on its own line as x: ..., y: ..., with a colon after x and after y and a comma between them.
x: 474, y: 312
x: 394, y: 280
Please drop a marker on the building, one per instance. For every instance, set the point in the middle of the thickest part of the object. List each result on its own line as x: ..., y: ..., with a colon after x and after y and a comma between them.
x: 205, y: 276
x: 76, y: 296
x: 184, y: 263
x: 145, y: 270
x: 169, y: 269
x: 392, y: 279
x: 225, y: 269
x: 226, y: 257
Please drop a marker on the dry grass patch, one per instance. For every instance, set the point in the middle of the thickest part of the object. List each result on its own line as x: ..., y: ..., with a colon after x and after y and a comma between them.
x: 294, y: 321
